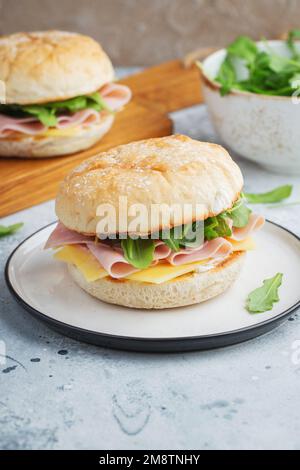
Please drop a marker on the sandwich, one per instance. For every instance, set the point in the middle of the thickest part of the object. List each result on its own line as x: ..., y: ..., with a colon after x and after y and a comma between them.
x: 116, y: 247
x: 60, y: 97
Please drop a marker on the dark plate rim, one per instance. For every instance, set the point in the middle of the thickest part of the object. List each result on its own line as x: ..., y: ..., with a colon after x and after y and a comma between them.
x: 144, y: 344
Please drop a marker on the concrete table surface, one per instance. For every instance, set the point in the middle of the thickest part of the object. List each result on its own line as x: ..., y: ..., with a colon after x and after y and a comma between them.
x: 56, y: 393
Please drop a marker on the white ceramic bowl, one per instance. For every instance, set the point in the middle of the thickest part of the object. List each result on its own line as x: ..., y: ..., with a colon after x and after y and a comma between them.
x: 262, y: 128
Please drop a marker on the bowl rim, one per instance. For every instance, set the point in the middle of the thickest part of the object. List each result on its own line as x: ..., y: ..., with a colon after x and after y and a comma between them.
x: 215, y: 86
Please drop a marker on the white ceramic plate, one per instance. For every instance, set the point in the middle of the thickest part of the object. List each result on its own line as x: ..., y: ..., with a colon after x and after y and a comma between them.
x: 43, y: 287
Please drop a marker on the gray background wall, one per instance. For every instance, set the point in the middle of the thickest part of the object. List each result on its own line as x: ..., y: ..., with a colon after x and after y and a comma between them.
x: 138, y: 32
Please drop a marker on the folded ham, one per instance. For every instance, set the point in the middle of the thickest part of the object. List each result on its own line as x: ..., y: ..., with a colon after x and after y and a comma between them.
x: 61, y: 235
x: 114, y: 95
x: 217, y: 248
x: 112, y: 259
x: 29, y: 125
x: 85, y: 116
x: 162, y: 251
x: 114, y: 262
x: 256, y: 222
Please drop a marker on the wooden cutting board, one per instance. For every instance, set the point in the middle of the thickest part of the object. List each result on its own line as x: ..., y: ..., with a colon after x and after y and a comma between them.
x: 156, y: 91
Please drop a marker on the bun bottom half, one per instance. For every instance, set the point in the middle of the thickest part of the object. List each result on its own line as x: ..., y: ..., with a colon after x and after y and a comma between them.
x: 189, y: 289
x: 54, y: 146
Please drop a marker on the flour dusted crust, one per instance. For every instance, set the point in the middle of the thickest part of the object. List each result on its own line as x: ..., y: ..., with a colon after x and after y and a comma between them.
x: 187, y: 290
x: 47, y: 66
x: 25, y: 146
x: 168, y: 170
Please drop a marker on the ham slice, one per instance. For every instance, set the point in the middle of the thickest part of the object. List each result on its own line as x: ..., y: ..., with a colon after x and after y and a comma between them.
x: 115, y: 95
x: 217, y: 248
x: 111, y: 260
x: 85, y: 116
x: 256, y: 222
x: 162, y: 251
x: 114, y: 262
x: 61, y: 235
x: 32, y: 126
x: 28, y: 125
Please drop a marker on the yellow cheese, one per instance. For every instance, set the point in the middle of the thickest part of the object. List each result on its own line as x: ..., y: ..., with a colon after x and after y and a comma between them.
x: 61, y: 132
x: 164, y: 272
x: 244, y: 245
x: 83, y: 260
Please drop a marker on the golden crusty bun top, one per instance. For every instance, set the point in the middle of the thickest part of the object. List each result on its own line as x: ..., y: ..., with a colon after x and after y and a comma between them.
x: 48, y: 66
x: 168, y: 170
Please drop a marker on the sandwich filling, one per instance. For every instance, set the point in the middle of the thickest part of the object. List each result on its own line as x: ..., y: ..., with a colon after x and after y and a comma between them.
x: 61, y: 118
x: 162, y: 259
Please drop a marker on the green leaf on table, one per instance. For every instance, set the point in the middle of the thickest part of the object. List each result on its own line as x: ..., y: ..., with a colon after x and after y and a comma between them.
x: 276, y: 195
x: 10, y: 229
x: 139, y: 253
x: 263, y: 298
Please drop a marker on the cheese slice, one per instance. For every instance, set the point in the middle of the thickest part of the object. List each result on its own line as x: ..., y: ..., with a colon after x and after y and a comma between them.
x: 61, y: 132
x: 83, y: 260
x: 244, y: 245
x: 164, y: 272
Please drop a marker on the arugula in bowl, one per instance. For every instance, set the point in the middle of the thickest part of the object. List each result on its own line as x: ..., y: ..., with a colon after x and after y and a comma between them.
x: 267, y: 72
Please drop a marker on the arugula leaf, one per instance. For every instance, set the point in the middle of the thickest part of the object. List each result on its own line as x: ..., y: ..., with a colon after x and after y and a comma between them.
x: 226, y: 76
x: 278, y: 64
x: 215, y: 227
x: 293, y: 34
x: 8, y: 230
x: 218, y: 226
x: 139, y: 253
x: 99, y: 103
x: 263, y: 298
x: 276, y: 195
x: 239, y: 214
x: 193, y: 235
x: 295, y: 81
x: 243, y: 48
x: 186, y: 236
x: 173, y: 242
x: 47, y: 113
x: 73, y: 104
